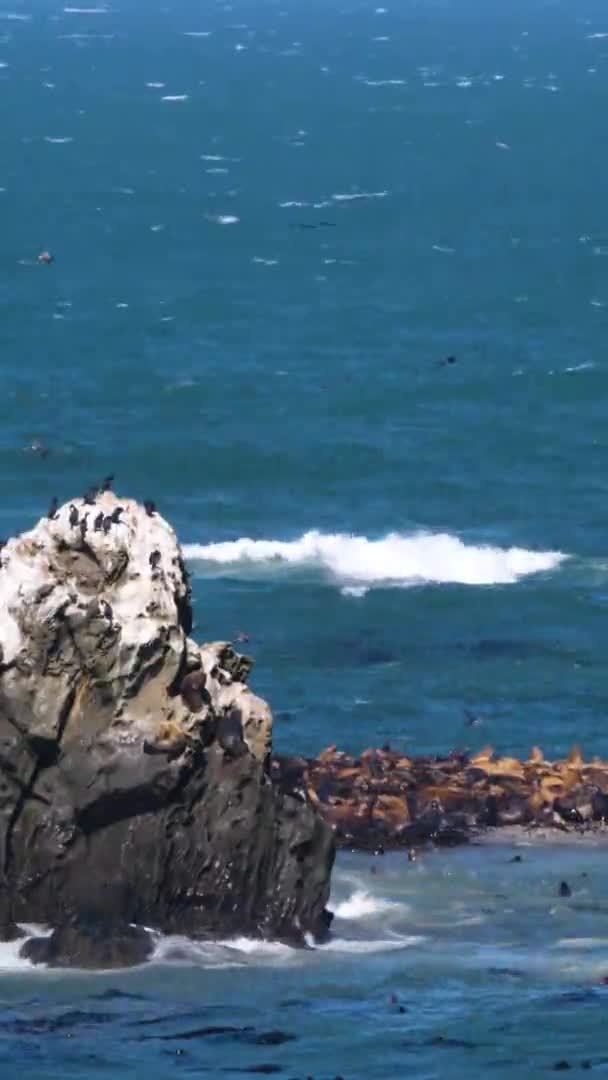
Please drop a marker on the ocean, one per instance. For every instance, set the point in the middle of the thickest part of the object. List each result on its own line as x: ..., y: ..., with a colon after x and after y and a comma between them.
x: 272, y: 225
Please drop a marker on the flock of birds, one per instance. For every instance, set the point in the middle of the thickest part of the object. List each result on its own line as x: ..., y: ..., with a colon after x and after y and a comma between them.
x: 101, y: 522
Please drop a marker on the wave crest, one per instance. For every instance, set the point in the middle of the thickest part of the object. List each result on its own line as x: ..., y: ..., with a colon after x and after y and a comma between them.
x: 395, y: 559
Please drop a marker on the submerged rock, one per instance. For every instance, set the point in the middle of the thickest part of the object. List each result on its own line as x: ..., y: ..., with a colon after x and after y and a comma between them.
x: 91, y: 945
x: 134, y: 763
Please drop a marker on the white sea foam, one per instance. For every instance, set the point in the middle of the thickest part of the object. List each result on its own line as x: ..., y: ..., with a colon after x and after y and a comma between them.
x: 235, y: 952
x: 197, y: 33
x: 155, y: 85
x: 86, y: 11
x: 395, y: 559
x: 392, y: 944
x: 58, y: 139
x: 11, y: 961
x: 603, y: 34
x: 15, y: 16
x: 346, y: 197
x: 291, y: 203
x: 175, y: 97
x: 362, y: 905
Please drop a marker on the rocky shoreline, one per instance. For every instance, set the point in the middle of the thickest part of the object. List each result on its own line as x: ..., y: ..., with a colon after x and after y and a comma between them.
x: 138, y: 785
x: 384, y: 799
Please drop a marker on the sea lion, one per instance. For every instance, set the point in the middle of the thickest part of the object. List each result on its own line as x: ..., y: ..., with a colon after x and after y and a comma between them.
x: 192, y: 690
x: 229, y: 733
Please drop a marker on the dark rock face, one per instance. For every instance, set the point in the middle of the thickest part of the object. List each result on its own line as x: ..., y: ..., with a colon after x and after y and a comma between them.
x: 91, y: 945
x: 134, y: 764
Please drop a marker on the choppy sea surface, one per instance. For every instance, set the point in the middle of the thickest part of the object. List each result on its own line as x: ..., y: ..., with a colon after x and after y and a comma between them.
x: 273, y: 222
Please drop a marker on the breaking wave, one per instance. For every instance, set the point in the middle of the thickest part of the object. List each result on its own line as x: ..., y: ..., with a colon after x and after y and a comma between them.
x: 396, y: 559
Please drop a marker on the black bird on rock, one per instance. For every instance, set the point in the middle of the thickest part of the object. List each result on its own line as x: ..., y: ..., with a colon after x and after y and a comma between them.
x: 98, y: 521
x: 107, y: 524
x: 154, y: 559
x: 115, y: 515
x: 52, y: 510
x: 89, y: 496
x: 149, y: 507
x: 73, y: 519
x: 106, y: 483
x: 83, y: 526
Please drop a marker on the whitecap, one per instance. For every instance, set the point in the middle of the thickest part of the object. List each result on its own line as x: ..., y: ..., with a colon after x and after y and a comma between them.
x: 223, y: 219
x: 15, y: 16
x: 197, y: 33
x: 59, y: 139
x: 580, y: 943
x: 395, y: 559
x: 602, y: 34
x: 503, y: 146
x: 156, y: 228
x: 265, y: 262
x: 3, y: 64
x: 444, y: 250
x: 86, y: 11
x: 384, y: 82
x: 464, y: 83
x: 358, y: 591
x: 587, y: 366
x: 175, y: 97
x: 348, y: 196
x: 291, y: 203
x: 156, y: 85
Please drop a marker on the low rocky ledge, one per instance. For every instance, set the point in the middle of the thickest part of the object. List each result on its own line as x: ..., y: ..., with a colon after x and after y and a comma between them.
x: 135, y: 781
x: 384, y: 799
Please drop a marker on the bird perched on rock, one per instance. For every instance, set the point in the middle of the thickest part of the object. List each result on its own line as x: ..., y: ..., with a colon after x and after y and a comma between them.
x: 83, y: 526
x: 98, y: 521
x: 89, y: 496
x: 154, y: 559
x: 149, y: 507
x: 106, y: 483
x: 107, y: 524
x: 52, y: 510
x: 73, y: 518
x: 115, y: 515
x: 107, y: 610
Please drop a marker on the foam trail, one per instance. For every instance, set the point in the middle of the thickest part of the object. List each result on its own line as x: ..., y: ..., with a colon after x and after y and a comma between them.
x: 397, y: 558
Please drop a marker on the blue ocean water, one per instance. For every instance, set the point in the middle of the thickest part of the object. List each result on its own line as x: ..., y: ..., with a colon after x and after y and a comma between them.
x: 272, y: 223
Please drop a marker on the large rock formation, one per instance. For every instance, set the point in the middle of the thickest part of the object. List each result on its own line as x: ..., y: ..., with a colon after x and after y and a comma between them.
x: 134, y: 764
